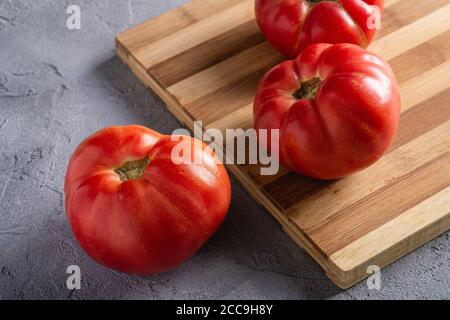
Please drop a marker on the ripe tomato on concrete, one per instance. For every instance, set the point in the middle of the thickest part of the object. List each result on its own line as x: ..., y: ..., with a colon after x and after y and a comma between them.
x: 292, y: 25
x: 133, y: 209
x: 337, y: 108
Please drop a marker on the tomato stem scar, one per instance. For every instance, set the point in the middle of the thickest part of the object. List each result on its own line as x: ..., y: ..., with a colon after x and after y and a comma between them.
x: 132, y: 170
x: 308, y: 89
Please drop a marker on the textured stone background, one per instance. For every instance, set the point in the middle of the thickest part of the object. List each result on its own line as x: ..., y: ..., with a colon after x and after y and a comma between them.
x: 57, y: 87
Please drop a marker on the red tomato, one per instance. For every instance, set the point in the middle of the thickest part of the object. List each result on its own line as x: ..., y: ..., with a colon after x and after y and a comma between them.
x: 337, y: 108
x: 292, y: 25
x: 133, y: 209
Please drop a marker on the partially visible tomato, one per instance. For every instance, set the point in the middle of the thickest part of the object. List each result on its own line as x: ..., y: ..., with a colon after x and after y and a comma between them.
x: 337, y: 108
x: 292, y: 25
x: 133, y: 209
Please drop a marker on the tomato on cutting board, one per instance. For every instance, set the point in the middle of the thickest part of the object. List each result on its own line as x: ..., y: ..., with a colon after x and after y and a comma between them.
x: 292, y: 25
x: 133, y: 209
x: 337, y: 108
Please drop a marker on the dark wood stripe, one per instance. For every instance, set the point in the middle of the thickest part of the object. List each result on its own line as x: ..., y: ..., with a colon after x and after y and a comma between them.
x: 424, y: 57
x: 423, y: 118
x: 405, y: 12
x: 254, y: 170
x: 207, y: 54
x: 292, y: 188
x: 382, y: 206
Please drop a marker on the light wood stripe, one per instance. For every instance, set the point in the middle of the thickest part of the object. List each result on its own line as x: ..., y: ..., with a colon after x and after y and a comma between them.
x: 389, y: 3
x: 419, y: 89
x: 427, y: 27
x: 383, y: 206
x: 420, y: 217
x: 400, y: 14
x: 230, y: 70
x: 320, y: 207
x: 195, y: 34
x: 426, y: 56
x: 202, y: 9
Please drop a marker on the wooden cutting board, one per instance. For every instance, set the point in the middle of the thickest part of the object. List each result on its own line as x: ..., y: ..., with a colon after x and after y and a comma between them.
x: 205, y: 60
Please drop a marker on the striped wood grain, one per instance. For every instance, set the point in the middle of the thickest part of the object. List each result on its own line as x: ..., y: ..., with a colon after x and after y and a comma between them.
x: 205, y: 60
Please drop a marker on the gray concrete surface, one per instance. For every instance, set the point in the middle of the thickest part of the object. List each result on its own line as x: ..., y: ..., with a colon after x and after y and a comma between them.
x: 57, y: 87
